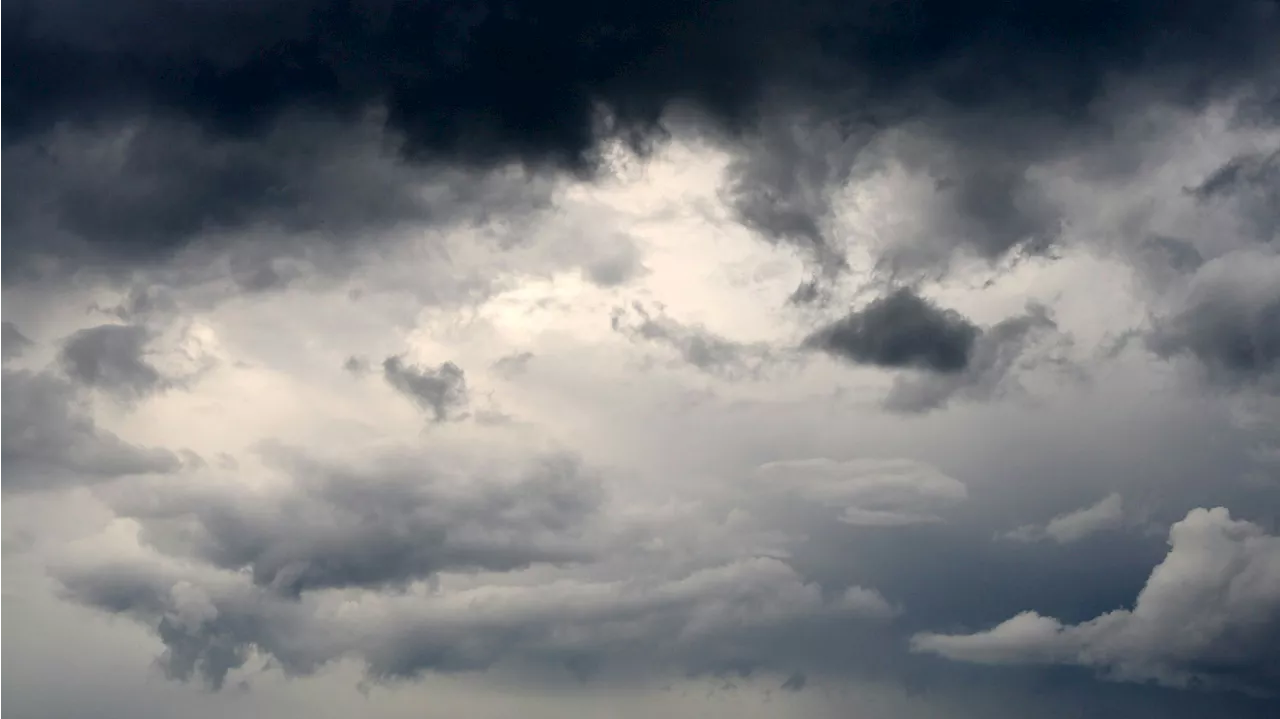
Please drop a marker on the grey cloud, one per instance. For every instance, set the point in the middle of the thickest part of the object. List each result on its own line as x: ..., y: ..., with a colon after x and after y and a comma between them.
x: 948, y: 356
x: 901, y: 330
x: 972, y: 194
x: 795, y: 682
x: 512, y: 364
x: 696, y: 345
x: 112, y: 358
x: 1107, y: 513
x: 441, y: 391
x: 386, y: 525
x: 995, y: 356
x: 1228, y: 320
x: 868, y: 492
x: 710, y: 620
x: 1251, y: 183
x: 13, y: 342
x: 617, y: 266
x: 1209, y: 617
x: 209, y: 626
x: 783, y: 185
x: 356, y: 365
x: 51, y: 440
x: 1175, y: 253
x: 155, y: 189
x: 478, y: 89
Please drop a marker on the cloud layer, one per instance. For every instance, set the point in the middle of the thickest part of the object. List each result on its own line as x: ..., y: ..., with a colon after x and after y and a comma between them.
x: 748, y: 358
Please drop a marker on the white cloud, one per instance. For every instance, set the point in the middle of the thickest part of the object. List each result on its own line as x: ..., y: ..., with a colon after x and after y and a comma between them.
x: 1209, y: 615
x: 1108, y: 513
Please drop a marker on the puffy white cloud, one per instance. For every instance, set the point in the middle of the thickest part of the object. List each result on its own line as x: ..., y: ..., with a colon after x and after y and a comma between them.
x: 1209, y: 616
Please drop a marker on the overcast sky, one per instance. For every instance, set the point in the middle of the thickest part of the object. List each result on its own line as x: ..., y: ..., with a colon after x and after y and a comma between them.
x: 550, y: 358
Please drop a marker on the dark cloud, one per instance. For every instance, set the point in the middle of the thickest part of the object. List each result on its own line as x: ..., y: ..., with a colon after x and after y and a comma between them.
x: 1174, y: 253
x: 51, y: 441
x: 1250, y: 185
x: 995, y: 357
x: 1229, y: 320
x: 13, y: 342
x: 384, y: 526
x: 112, y: 358
x: 985, y: 204
x: 529, y: 79
x: 143, y: 192
x: 441, y: 391
x: 943, y: 353
x: 901, y: 330
x: 795, y: 683
x: 783, y: 186
x: 209, y: 103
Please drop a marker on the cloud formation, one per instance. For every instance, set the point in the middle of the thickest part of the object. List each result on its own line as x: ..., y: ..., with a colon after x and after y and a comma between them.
x: 224, y: 119
x: 738, y: 330
x: 1107, y: 513
x: 440, y: 391
x: 380, y: 526
x: 51, y: 440
x: 943, y: 355
x: 869, y: 493
x: 1206, y: 617
x: 112, y: 358
x: 696, y: 345
x: 13, y: 341
x: 901, y: 331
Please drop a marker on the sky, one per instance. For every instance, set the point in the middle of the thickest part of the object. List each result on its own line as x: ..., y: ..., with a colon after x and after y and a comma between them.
x: 873, y: 359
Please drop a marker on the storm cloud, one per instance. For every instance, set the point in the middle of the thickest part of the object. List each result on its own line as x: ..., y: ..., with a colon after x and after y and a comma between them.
x: 552, y: 358
x: 901, y: 331
x: 208, y: 108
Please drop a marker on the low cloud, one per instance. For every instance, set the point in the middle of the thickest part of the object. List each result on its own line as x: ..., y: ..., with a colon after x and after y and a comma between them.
x: 941, y: 354
x: 1107, y: 514
x: 1228, y: 320
x: 1209, y: 617
x: 112, y: 358
x: 51, y: 440
x: 386, y: 525
x: 868, y: 492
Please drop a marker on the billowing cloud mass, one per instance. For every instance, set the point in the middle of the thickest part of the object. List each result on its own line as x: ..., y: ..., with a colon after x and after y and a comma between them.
x: 1208, y: 615
x: 544, y: 358
x: 389, y: 525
